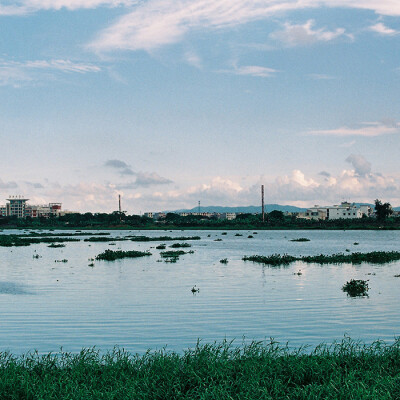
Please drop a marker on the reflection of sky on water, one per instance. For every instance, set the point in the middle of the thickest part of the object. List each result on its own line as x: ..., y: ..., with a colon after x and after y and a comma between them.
x: 142, y: 303
x: 12, y: 288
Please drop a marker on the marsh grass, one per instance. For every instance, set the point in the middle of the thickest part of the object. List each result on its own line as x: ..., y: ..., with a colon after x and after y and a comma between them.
x: 111, y: 255
x: 259, y: 370
x: 375, y: 257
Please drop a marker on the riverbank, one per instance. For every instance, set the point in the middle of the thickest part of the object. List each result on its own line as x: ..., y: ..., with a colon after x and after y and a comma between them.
x: 346, y: 370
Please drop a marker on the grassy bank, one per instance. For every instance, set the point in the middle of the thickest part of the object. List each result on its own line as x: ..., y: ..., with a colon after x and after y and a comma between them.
x: 347, y: 370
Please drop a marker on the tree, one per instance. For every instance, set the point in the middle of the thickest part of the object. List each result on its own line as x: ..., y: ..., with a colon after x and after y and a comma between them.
x: 382, y: 210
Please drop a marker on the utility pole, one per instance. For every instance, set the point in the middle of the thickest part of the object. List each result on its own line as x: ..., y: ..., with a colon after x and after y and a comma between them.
x: 119, y: 207
x: 199, y: 207
x: 262, y: 203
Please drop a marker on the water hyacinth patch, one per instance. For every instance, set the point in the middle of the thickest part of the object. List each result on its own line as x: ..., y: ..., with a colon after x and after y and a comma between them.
x: 376, y: 257
x: 110, y: 255
x: 356, y: 287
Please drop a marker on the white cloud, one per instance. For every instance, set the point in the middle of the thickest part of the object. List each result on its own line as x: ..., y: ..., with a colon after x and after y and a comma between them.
x: 255, y: 70
x: 303, y: 35
x: 369, y: 129
x: 19, y: 73
x: 193, y: 59
x: 157, y: 23
x: 358, y: 183
x: 21, y: 7
x: 383, y: 29
x: 361, y: 166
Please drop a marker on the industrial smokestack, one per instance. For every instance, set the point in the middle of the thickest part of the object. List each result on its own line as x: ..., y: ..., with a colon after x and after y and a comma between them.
x: 262, y: 203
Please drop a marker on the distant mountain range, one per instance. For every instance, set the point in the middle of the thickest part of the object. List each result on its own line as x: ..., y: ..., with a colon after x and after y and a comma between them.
x: 248, y: 209
x: 254, y: 209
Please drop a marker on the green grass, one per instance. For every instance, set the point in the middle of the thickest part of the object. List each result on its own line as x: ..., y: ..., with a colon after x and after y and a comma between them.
x: 346, y: 370
x: 375, y: 257
x: 111, y: 255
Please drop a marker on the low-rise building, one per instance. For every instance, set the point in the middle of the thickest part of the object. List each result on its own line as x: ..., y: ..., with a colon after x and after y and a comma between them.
x: 17, y: 206
x: 343, y: 211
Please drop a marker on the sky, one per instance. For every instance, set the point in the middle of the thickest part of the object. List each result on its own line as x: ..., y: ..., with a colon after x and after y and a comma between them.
x: 171, y: 102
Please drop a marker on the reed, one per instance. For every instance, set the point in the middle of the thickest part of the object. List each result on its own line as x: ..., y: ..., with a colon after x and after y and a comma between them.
x: 259, y: 370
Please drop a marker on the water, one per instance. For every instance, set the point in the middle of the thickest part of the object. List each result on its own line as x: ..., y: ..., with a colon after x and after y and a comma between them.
x: 141, y: 303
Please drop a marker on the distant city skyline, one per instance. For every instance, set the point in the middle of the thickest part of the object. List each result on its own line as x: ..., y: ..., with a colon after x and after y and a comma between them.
x: 168, y: 103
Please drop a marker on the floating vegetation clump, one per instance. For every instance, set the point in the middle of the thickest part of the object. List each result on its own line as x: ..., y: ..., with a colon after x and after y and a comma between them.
x: 111, y: 255
x: 173, y: 255
x: 274, y: 259
x: 22, y: 240
x: 56, y: 246
x: 302, y: 239
x: 224, y: 233
x: 103, y: 239
x: 356, y: 287
x: 250, y: 237
x: 257, y: 370
x: 179, y: 245
x: 61, y: 261
x: 224, y: 261
x: 356, y: 243
x: 161, y: 247
x: 161, y: 238
x: 238, y: 234
x: 217, y: 240
x: 375, y: 257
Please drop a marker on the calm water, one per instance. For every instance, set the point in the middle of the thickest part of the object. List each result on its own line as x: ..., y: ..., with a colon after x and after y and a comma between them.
x: 141, y: 303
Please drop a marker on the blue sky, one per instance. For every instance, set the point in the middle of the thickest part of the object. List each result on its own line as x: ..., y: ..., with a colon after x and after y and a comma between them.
x: 171, y: 102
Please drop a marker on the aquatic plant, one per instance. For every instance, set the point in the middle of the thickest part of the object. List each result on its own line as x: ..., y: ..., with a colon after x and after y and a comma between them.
x: 195, y: 289
x: 375, y: 257
x: 161, y: 247
x: 274, y: 259
x: 257, y: 370
x: 224, y: 261
x: 179, y: 245
x: 302, y: 239
x: 111, y: 255
x: 161, y: 238
x: 238, y: 234
x: 55, y: 246
x: 356, y: 287
x: 217, y: 240
x: 250, y: 237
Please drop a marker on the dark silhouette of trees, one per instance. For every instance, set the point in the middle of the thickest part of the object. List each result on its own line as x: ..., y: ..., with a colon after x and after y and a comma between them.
x: 382, y: 210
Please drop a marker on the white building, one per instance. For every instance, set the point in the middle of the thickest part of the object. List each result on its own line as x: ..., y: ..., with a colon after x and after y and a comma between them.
x: 18, y: 207
x: 343, y: 211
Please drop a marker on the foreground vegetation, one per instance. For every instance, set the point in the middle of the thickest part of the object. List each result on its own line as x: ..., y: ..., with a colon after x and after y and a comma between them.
x: 345, y: 370
x: 376, y: 257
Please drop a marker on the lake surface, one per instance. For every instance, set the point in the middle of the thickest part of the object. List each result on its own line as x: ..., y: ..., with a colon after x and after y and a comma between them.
x: 143, y: 303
